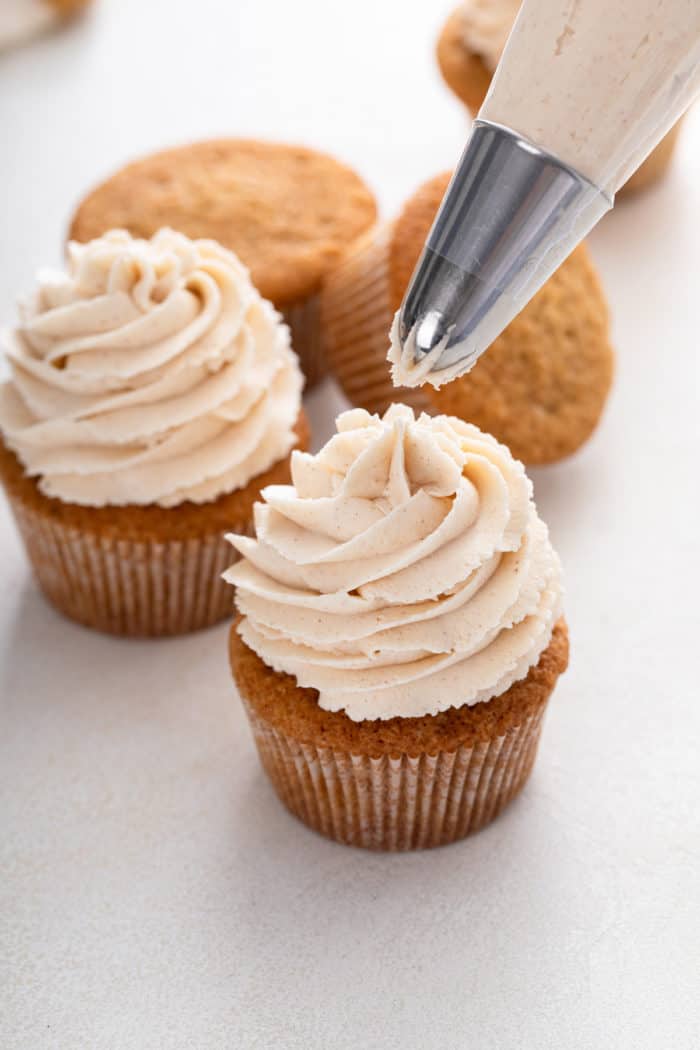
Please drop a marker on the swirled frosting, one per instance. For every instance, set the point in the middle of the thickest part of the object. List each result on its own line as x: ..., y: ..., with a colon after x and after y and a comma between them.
x: 151, y: 372
x: 404, y: 571
x: 487, y: 25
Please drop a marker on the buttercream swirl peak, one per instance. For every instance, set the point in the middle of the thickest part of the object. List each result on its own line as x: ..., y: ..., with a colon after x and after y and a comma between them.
x: 404, y: 571
x: 150, y: 372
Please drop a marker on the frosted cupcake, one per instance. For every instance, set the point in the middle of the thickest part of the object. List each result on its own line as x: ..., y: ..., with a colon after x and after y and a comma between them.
x: 287, y: 211
x: 153, y: 392
x: 469, y: 49
x: 400, y: 631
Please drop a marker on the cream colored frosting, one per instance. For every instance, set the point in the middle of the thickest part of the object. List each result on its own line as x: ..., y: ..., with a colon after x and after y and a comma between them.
x: 487, y: 25
x: 407, y: 369
x: 151, y: 372
x: 405, y: 570
x: 598, y: 84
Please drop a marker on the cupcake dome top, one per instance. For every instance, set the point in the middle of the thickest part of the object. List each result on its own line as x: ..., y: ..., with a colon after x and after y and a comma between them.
x: 463, y: 70
x: 542, y: 384
x: 287, y: 211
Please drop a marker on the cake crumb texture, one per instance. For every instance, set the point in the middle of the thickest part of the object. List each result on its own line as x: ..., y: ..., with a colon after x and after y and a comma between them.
x: 133, y: 522
x: 541, y: 386
x: 286, y: 211
x: 294, y: 711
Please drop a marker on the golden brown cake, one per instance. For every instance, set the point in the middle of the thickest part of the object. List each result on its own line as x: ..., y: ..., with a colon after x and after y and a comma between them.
x: 440, y: 777
x: 542, y: 385
x: 153, y: 392
x: 400, y: 631
x: 467, y: 74
x: 68, y: 8
x: 463, y: 70
x: 286, y: 211
x: 141, y: 571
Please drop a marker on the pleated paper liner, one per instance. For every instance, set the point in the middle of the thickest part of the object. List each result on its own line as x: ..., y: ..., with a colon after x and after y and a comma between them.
x: 427, y: 796
x: 142, y: 571
x: 397, y: 803
x: 356, y: 315
x: 124, y: 586
x: 304, y: 323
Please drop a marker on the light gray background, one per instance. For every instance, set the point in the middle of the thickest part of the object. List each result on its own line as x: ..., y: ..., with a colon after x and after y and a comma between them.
x: 154, y: 893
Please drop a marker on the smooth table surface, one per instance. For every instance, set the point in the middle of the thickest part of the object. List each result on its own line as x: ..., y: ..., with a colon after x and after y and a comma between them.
x: 153, y: 891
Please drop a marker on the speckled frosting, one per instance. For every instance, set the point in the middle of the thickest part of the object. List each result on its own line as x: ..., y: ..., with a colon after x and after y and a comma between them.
x: 151, y: 372
x: 405, y: 570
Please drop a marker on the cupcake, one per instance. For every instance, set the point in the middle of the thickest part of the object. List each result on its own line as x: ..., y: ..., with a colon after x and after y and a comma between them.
x: 540, y: 388
x: 20, y: 20
x: 469, y: 49
x: 286, y: 211
x: 153, y: 393
x: 400, y: 631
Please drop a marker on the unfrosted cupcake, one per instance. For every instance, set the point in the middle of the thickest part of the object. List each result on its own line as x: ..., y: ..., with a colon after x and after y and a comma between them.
x: 400, y: 631
x: 469, y: 49
x: 286, y: 211
x: 153, y: 393
x: 542, y: 385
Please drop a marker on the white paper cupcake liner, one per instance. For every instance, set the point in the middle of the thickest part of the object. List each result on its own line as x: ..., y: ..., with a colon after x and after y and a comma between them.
x: 397, y: 803
x: 128, y: 587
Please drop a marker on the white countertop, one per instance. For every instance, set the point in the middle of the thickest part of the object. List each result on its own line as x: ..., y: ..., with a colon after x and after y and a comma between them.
x: 154, y: 893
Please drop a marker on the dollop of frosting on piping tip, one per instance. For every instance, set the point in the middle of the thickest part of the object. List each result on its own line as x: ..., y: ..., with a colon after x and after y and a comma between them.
x: 150, y: 372
x: 410, y: 370
x: 403, y: 572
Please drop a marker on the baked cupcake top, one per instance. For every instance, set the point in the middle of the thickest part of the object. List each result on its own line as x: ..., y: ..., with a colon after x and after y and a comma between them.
x: 486, y: 26
x: 542, y: 384
x: 151, y: 372
x: 287, y: 211
x: 404, y: 571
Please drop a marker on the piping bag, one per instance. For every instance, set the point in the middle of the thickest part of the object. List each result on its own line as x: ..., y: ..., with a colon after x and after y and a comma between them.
x: 584, y: 91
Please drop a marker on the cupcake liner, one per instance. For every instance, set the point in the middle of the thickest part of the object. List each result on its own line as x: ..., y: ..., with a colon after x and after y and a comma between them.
x: 397, y: 802
x: 356, y: 315
x: 304, y: 323
x: 124, y: 586
x: 135, y: 574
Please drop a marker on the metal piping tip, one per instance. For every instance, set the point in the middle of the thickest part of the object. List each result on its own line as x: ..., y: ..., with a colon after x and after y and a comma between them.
x: 415, y: 349
x: 511, y: 215
x: 428, y: 333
